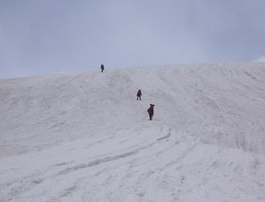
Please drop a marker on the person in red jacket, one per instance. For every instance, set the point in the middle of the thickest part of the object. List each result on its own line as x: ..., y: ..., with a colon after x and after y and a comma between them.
x: 150, y: 111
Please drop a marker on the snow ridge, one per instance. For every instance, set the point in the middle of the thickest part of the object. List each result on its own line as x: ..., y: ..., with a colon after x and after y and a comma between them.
x: 85, y: 137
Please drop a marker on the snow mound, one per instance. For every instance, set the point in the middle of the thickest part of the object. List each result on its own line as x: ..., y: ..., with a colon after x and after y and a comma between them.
x: 87, y: 137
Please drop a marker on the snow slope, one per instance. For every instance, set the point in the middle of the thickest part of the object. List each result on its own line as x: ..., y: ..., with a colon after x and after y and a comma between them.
x: 85, y: 137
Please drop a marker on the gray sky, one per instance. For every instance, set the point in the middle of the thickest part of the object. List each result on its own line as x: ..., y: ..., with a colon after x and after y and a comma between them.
x: 48, y: 36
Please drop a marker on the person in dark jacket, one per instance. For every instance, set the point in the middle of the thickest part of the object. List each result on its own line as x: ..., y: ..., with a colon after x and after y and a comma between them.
x: 150, y: 111
x: 102, y: 68
x: 139, y: 94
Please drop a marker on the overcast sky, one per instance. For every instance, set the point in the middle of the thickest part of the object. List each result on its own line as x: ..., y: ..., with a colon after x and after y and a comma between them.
x: 48, y: 36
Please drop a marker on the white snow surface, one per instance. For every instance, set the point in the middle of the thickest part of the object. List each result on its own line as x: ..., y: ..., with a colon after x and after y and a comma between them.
x: 85, y: 137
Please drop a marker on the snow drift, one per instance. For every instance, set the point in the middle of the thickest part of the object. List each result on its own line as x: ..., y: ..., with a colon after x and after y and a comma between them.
x: 85, y: 137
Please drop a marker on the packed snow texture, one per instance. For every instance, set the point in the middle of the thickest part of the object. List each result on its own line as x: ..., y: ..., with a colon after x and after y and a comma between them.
x: 85, y: 137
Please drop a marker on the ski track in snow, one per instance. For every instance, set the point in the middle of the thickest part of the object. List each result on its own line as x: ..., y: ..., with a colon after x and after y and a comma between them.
x: 85, y: 137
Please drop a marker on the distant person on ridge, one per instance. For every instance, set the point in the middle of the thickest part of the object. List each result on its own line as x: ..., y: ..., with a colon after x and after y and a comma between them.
x: 150, y: 111
x: 139, y: 94
x: 102, y: 68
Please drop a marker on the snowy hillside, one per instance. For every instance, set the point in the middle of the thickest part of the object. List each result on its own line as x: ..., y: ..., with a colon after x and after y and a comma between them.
x: 85, y: 137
